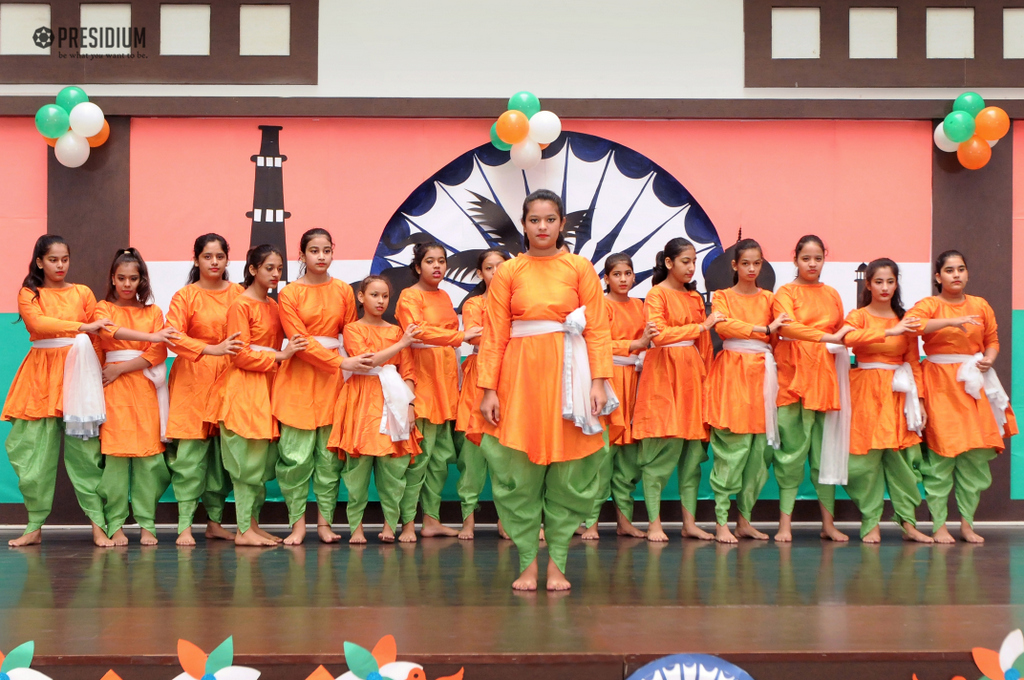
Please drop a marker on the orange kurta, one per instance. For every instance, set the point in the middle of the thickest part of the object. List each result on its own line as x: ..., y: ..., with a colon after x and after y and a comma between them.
x: 807, y: 371
x: 735, y: 392
x: 245, y: 388
x: 878, y: 420
x: 306, y: 387
x: 357, y: 414
x: 132, y: 428
x: 201, y: 316
x: 437, y: 367
x: 957, y: 422
x: 527, y: 371
x: 37, y: 390
x: 670, y: 396
x: 626, y: 320
x: 469, y: 418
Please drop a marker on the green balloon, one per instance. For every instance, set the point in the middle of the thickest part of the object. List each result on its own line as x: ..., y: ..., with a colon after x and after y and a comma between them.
x: 71, y: 96
x: 52, y: 121
x: 971, y: 102
x: 496, y: 140
x: 958, y: 126
x: 524, y: 101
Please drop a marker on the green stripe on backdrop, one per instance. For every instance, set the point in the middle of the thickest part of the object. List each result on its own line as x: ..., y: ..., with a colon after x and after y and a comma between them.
x: 14, y: 345
x: 1017, y: 378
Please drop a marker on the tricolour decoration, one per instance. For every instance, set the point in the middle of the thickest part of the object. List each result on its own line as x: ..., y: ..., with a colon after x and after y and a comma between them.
x: 73, y: 126
x: 380, y: 664
x: 690, y: 667
x: 524, y: 130
x: 217, y: 666
x: 971, y: 130
x: 15, y: 665
x: 110, y: 675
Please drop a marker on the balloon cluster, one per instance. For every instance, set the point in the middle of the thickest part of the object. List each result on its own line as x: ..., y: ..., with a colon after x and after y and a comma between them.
x: 524, y: 130
x: 972, y: 129
x: 72, y: 126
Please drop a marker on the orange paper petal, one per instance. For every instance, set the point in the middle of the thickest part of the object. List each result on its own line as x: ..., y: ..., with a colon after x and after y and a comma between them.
x: 111, y: 675
x: 385, y: 651
x: 321, y: 673
x: 193, y: 659
x: 457, y: 676
x: 987, y: 661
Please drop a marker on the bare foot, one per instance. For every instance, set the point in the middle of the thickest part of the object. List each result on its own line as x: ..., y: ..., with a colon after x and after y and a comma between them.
x: 433, y: 527
x: 501, y: 532
x: 185, y: 538
x: 265, y: 534
x: 942, y: 535
x: 147, y: 537
x: 785, y: 532
x: 100, y: 538
x: 744, y: 529
x: 968, y: 534
x: 828, y: 527
x: 910, y: 533
x: 252, y: 537
x: 556, y: 579
x: 468, y: 525
x: 408, y: 534
x: 691, y: 530
x: 591, y: 533
x: 326, y: 533
x: 541, y: 537
x: 36, y: 537
x: 655, y: 534
x: 215, y: 531
x: 387, y: 535
x: 528, y: 579
x: 623, y: 527
x: 298, y: 534
x: 119, y: 538
x: 723, y: 535
x: 357, y: 537
x: 873, y: 536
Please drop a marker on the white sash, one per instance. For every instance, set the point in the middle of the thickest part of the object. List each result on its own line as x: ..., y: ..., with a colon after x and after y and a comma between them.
x: 261, y: 348
x: 576, y: 379
x: 835, y: 442
x: 328, y: 342
x: 902, y: 381
x: 974, y: 380
x: 771, y: 382
x: 634, y: 360
x: 83, y: 404
x: 394, y: 417
x: 157, y: 375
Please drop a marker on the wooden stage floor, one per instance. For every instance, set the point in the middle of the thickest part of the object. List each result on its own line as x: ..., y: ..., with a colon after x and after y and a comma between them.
x: 839, y: 611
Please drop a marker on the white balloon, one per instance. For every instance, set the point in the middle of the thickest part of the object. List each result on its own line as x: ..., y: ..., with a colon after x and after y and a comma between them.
x: 525, y: 154
x: 86, y: 119
x: 941, y: 140
x: 992, y: 142
x: 71, y: 149
x: 545, y: 127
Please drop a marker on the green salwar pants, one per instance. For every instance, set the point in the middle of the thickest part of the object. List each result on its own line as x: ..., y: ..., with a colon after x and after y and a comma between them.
x: 136, y: 481
x: 865, y: 484
x: 250, y: 464
x: 740, y: 468
x: 659, y: 457
x: 625, y: 476
x: 197, y: 472
x: 389, y: 476
x: 472, y: 476
x: 902, y: 470
x: 524, y: 491
x: 968, y: 473
x: 605, y: 469
x: 33, y: 447
x: 439, y: 450
x: 800, y: 430
x: 303, y: 456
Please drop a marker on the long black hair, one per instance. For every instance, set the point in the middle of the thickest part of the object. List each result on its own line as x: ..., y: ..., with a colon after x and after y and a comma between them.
x: 672, y: 250
x: 36, y: 278
x: 896, y: 301
x: 197, y: 249
x: 804, y: 240
x: 543, y: 195
x: 742, y: 245
x: 256, y: 257
x: 144, y: 291
x: 304, y: 242
x: 940, y: 262
x: 611, y: 262
x: 420, y: 251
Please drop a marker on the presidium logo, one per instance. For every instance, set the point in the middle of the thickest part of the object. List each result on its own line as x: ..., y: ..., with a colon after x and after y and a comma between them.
x: 91, y: 37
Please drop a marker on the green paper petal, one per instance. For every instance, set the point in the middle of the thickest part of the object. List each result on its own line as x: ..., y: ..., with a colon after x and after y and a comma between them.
x: 222, y: 657
x: 19, y: 657
x: 359, y: 660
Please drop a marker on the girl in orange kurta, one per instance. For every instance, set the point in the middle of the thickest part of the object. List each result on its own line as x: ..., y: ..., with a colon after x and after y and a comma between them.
x: 199, y: 311
x: 742, y: 387
x: 670, y: 409
x: 469, y: 421
x: 437, y: 383
x: 887, y: 409
x: 357, y: 437
x: 248, y: 429
x: 54, y: 312
x: 808, y: 382
x: 540, y: 461
x: 631, y: 335
x: 969, y: 413
x: 316, y: 307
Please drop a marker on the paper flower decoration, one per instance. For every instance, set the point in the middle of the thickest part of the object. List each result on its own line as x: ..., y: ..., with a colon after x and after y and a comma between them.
x: 1006, y: 664
x: 381, y: 664
x: 15, y: 666
x: 217, y: 666
x: 111, y: 675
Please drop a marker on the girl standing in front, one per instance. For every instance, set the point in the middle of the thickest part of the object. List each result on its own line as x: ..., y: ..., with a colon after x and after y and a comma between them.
x: 742, y: 389
x: 808, y: 384
x: 54, y: 312
x: 969, y: 412
x: 430, y: 309
x: 669, y: 415
x: 248, y: 429
x: 542, y: 462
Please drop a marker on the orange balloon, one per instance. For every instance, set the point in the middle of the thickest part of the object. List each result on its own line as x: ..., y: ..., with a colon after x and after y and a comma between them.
x: 991, y: 123
x: 974, y: 153
x: 544, y: 146
x: 101, y: 136
x: 52, y: 141
x: 512, y: 127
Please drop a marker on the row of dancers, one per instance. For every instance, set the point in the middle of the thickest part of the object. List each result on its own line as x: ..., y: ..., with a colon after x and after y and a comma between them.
x: 572, y: 394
